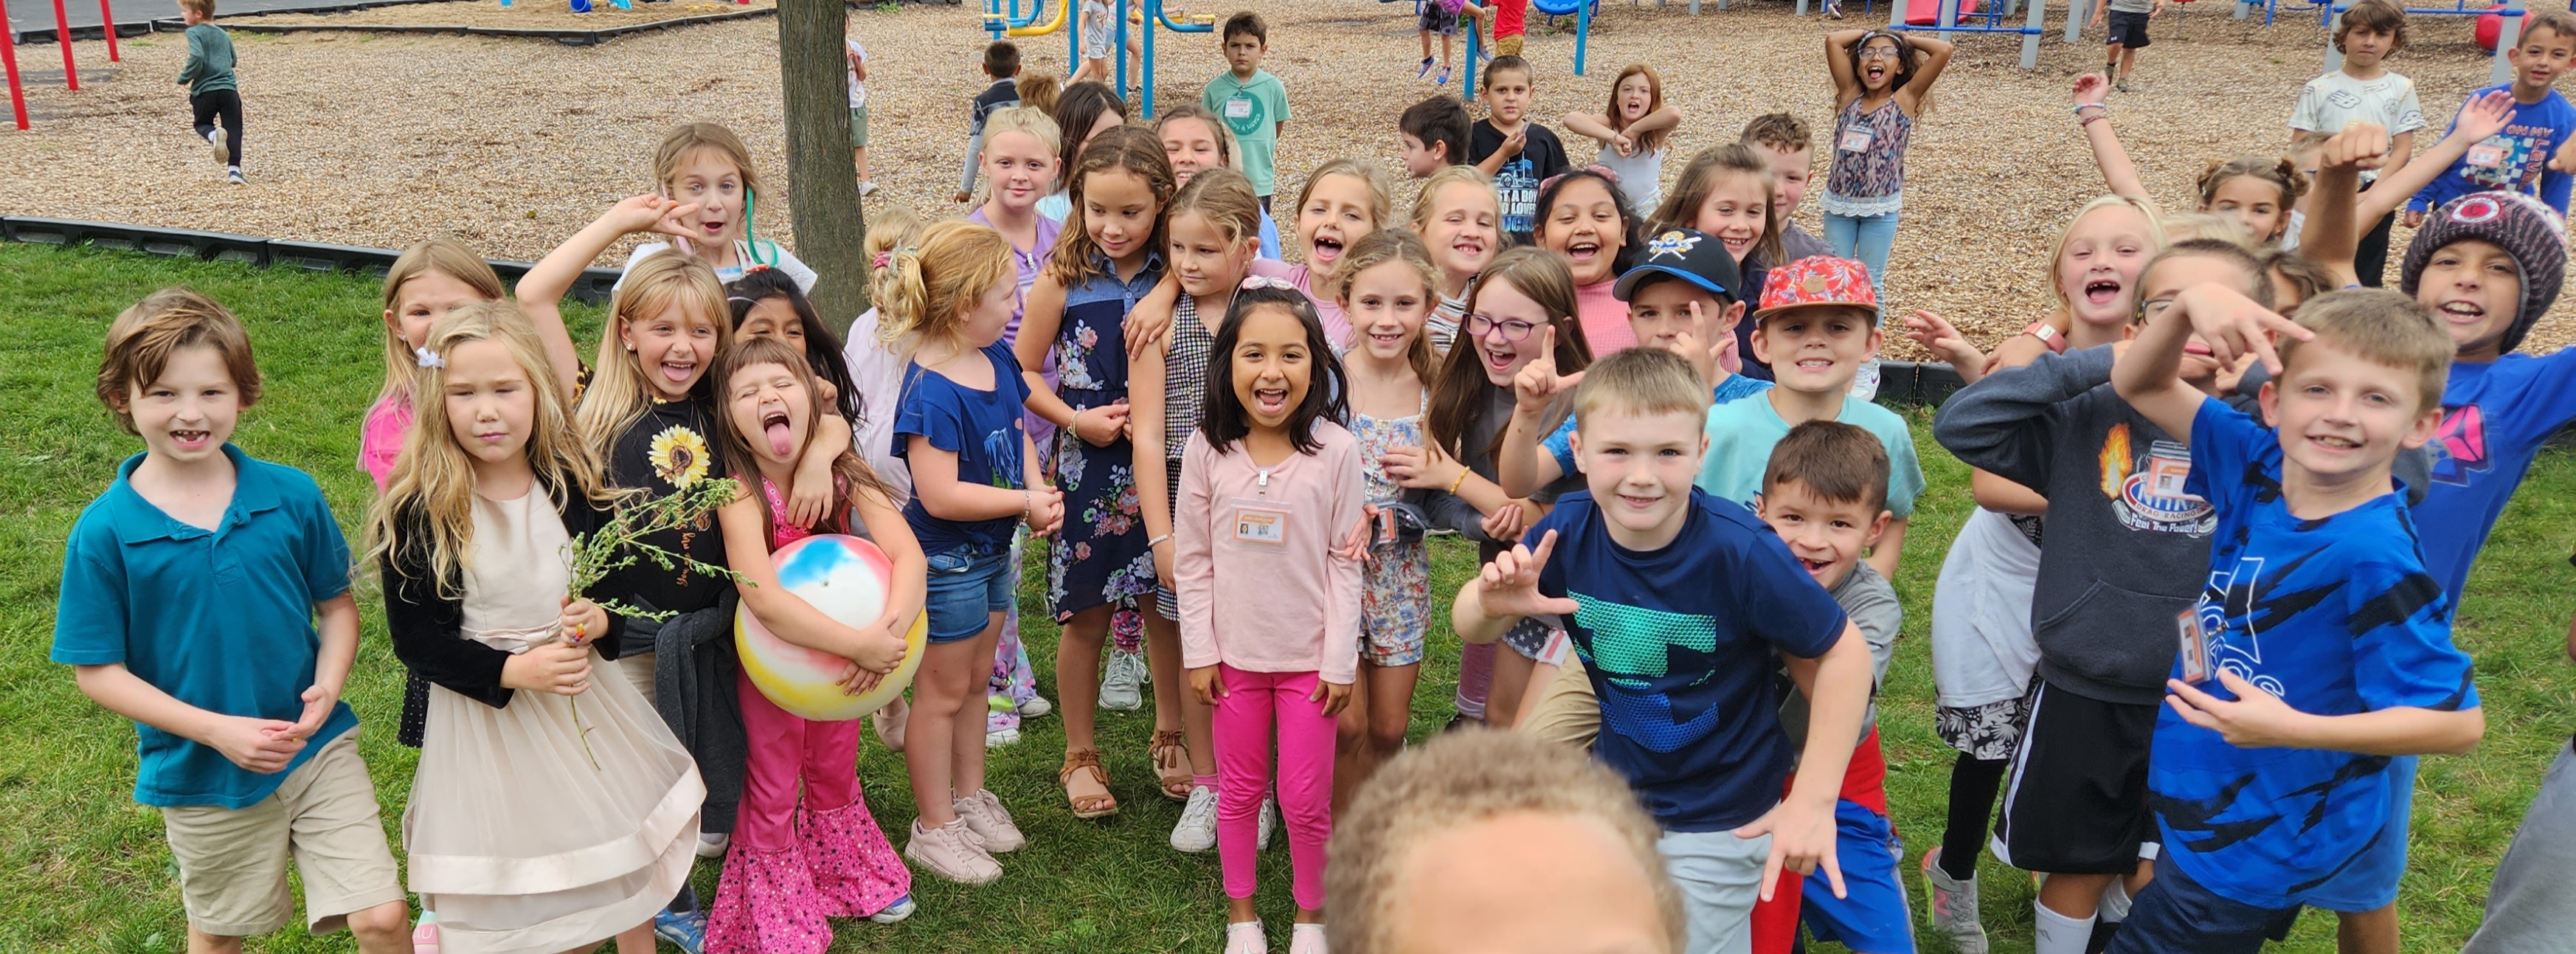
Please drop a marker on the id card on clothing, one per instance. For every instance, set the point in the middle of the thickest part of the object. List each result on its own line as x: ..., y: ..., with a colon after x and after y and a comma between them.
x: 1856, y: 139
x: 1261, y: 523
x: 2194, y: 646
x: 1240, y: 107
x: 2486, y: 155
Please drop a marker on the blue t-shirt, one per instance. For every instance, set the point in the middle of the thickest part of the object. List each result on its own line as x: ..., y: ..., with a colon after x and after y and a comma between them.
x: 220, y: 619
x: 1560, y: 445
x: 1680, y: 644
x: 2515, y: 160
x: 1742, y: 433
x: 2495, y: 417
x: 981, y: 427
x: 2336, y: 616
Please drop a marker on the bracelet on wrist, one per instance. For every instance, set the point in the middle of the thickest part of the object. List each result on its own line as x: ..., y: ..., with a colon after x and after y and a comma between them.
x: 1156, y: 541
x: 1461, y: 481
x: 2081, y: 107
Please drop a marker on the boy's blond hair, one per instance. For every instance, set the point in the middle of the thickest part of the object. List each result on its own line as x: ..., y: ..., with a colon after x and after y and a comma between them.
x: 1459, y: 779
x: 2383, y: 327
x: 1642, y: 382
x: 142, y: 338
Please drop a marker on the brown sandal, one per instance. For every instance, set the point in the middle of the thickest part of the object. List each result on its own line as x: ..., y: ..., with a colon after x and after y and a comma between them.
x: 1087, y: 805
x: 1171, y: 755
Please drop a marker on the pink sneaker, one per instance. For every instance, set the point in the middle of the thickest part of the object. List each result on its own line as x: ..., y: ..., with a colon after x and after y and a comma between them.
x: 984, y: 815
x: 951, y: 852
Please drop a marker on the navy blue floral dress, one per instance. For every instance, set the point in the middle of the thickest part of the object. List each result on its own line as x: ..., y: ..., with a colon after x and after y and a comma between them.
x: 1099, y: 557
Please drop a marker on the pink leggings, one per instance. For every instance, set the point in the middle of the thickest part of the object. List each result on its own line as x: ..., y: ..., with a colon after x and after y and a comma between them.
x: 785, y: 748
x: 1244, y: 717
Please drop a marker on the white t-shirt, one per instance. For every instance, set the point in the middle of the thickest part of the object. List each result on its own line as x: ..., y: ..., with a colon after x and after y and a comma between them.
x: 878, y: 373
x: 2335, y: 100
x: 858, y: 90
x: 755, y: 252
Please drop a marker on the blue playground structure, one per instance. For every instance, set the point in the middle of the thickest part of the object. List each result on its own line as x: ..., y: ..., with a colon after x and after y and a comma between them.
x: 1001, y: 22
x: 1580, y: 10
x: 1942, y: 17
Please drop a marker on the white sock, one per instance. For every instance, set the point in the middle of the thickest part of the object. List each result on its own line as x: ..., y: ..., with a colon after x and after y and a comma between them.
x: 2055, y: 933
x: 2115, y: 902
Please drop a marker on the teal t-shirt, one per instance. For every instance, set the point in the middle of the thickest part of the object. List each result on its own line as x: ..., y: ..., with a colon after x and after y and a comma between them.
x: 1741, y: 433
x: 220, y: 619
x: 1253, y: 109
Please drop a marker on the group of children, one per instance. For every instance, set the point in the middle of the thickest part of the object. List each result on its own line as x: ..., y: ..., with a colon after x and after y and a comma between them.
x: 1649, y: 408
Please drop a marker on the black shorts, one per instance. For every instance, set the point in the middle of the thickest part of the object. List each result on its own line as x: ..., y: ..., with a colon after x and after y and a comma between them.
x: 2077, y: 803
x: 2128, y: 29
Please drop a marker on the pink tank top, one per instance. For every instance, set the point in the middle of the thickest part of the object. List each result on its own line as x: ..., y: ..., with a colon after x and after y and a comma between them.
x: 781, y: 532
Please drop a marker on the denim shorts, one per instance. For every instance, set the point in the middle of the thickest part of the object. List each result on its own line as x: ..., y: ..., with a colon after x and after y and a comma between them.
x: 967, y: 586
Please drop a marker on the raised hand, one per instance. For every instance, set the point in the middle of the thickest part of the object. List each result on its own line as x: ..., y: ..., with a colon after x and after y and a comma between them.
x: 1508, y: 586
x: 650, y: 212
x: 2361, y: 145
x: 1538, y: 383
x: 2233, y: 326
x: 1938, y: 336
x: 2091, y: 88
x: 2485, y: 116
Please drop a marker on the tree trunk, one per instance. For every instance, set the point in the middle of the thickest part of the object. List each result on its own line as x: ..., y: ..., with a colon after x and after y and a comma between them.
x: 822, y: 185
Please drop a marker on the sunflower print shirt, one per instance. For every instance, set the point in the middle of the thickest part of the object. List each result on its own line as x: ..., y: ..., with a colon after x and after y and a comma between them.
x: 670, y: 448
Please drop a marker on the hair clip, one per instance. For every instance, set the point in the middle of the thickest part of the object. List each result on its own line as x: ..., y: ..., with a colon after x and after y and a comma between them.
x: 730, y: 299
x: 427, y: 358
x: 1253, y: 282
x: 883, y: 260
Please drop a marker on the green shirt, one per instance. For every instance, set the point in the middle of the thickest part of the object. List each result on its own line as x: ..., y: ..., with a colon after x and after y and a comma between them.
x: 210, y: 60
x: 1253, y: 109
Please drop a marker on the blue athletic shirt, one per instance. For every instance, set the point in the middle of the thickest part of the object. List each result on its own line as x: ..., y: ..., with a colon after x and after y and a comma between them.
x: 981, y: 427
x: 1736, y: 387
x: 2336, y: 616
x: 1680, y: 644
x: 2515, y: 160
x: 2495, y: 416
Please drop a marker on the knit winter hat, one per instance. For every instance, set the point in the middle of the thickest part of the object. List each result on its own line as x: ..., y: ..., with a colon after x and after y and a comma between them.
x: 2526, y: 229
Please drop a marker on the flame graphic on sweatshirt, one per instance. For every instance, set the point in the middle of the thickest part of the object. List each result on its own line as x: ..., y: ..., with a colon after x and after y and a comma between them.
x: 2115, y: 460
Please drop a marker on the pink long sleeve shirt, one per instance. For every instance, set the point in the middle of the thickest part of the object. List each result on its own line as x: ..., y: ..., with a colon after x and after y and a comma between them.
x: 1259, y: 543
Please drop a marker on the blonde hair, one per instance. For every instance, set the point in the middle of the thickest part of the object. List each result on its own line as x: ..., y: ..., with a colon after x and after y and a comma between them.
x: 1369, y: 175
x: 2383, y: 327
x: 955, y: 264
x: 1460, y: 779
x: 1021, y: 119
x: 619, y: 391
x: 438, y: 256
x: 1701, y: 176
x: 1224, y: 197
x: 2057, y: 248
x: 433, y: 480
x: 2183, y: 226
x: 1403, y: 247
x: 889, y: 228
x: 676, y: 145
x: 1446, y: 177
x: 142, y: 338
x: 1640, y: 381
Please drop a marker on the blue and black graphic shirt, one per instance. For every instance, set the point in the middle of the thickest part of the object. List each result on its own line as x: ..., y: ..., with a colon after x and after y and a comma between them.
x: 2495, y: 416
x: 1680, y: 644
x: 2336, y: 616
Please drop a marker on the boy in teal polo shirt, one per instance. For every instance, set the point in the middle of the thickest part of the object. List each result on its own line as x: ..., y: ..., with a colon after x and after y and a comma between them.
x: 188, y: 601
x: 1253, y: 103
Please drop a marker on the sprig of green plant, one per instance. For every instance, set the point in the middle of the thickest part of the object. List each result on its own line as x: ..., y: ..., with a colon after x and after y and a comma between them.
x: 622, y: 541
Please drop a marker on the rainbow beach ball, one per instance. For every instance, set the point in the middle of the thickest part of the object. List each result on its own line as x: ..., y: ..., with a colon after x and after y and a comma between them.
x: 847, y: 578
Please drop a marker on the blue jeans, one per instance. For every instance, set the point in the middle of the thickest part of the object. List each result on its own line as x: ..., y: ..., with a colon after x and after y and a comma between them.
x: 1867, y: 238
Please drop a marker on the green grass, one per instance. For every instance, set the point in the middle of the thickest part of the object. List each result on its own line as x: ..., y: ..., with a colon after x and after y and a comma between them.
x: 84, y: 868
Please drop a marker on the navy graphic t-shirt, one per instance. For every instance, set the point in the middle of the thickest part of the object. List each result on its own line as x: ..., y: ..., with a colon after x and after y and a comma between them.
x: 1542, y: 157
x: 982, y: 427
x: 1680, y: 644
x: 2336, y: 616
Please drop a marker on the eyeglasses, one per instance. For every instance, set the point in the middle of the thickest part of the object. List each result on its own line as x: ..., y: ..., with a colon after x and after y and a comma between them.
x: 1514, y: 329
x: 2153, y: 307
x: 1878, y: 53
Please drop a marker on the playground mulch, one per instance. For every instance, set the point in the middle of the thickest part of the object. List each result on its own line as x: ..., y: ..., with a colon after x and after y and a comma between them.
x: 511, y: 145
x: 528, y: 15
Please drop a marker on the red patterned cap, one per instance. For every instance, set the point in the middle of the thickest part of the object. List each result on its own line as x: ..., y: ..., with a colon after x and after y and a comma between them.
x: 1817, y: 280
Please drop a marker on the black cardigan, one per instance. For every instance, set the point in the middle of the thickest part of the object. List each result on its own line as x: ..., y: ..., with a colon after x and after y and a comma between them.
x: 427, y: 628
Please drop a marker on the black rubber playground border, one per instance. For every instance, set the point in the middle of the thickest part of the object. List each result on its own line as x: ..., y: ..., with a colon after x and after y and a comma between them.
x: 592, y: 288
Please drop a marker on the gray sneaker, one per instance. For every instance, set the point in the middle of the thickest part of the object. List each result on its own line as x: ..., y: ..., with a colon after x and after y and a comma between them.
x: 1122, y: 682
x: 216, y: 138
x: 1269, y: 821
x: 1954, y: 907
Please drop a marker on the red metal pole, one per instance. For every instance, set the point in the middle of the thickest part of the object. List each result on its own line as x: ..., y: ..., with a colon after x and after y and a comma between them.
x: 108, y: 16
x: 9, y: 57
x: 63, y: 38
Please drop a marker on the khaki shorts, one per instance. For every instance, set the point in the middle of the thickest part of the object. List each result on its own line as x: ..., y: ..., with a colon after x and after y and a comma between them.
x: 858, y: 127
x: 1567, y: 711
x: 1508, y: 45
x: 232, y: 862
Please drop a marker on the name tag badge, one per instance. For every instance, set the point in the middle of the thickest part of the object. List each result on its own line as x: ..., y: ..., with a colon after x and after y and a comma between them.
x: 2486, y: 155
x: 1260, y: 524
x: 1856, y: 139
x: 1238, y: 108
x: 2195, y: 646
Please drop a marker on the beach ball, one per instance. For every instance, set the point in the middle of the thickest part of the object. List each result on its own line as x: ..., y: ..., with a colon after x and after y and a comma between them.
x: 847, y: 578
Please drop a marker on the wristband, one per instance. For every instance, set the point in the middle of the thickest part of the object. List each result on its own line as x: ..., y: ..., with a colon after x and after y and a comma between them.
x: 1028, y: 503
x: 2047, y: 335
x: 2089, y: 120
x: 1461, y: 481
x: 2081, y: 107
x: 1152, y: 542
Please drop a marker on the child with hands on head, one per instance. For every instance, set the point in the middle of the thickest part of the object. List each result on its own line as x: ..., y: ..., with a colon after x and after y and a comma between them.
x: 247, y: 761
x: 1268, y: 483
x: 1587, y: 218
x: 1639, y: 546
x: 1882, y: 85
x: 1460, y: 220
x: 958, y: 422
x: 471, y: 535
x: 1632, y: 131
x: 426, y: 282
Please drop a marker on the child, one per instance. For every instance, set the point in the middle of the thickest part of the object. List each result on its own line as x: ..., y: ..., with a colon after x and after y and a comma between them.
x: 1342, y: 202
x: 2272, y: 776
x: 1694, y: 731
x: 1267, y: 484
x: 2124, y: 35
x: 1825, y: 493
x: 1457, y: 215
x: 1099, y: 563
x: 2101, y: 609
x: 1095, y: 29
x: 1210, y: 222
x: 1442, y: 17
x: 766, y: 304
x: 1585, y: 217
x: 470, y: 536
x: 1253, y: 103
x: 1002, y: 66
x: 858, y: 57
x: 1483, y: 841
x: 1433, y: 134
x: 2262, y: 192
x: 2364, y: 90
x: 1632, y: 131
x: 1511, y: 18
x: 1519, y: 154
x: 1786, y: 142
x: 1724, y: 193
x: 706, y: 166
x: 2517, y: 160
x: 1083, y: 111
x: 1882, y: 85
x: 426, y: 282
x: 791, y: 867
x: 244, y: 762
x: 1388, y: 289
x: 1194, y: 139
x: 876, y: 365
x: 958, y: 422
x: 214, y: 94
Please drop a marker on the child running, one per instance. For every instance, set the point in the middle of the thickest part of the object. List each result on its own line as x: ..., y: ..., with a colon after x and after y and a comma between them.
x: 1632, y: 132
x: 1268, y: 483
x: 214, y: 93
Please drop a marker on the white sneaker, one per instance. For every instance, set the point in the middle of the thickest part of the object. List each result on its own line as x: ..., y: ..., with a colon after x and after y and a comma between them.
x: 713, y: 845
x: 1121, y: 684
x: 867, y: 188
x: 1197, y: 830
x: 895, y: 913
x: 1001, y: 738
x: 1306, y: 939
x: 1269, y: 820
x: 216, y: 138
x: 232, y: 174
x: 1954, y: 907
x: 1034, y: 706
x: 1244, y: 937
